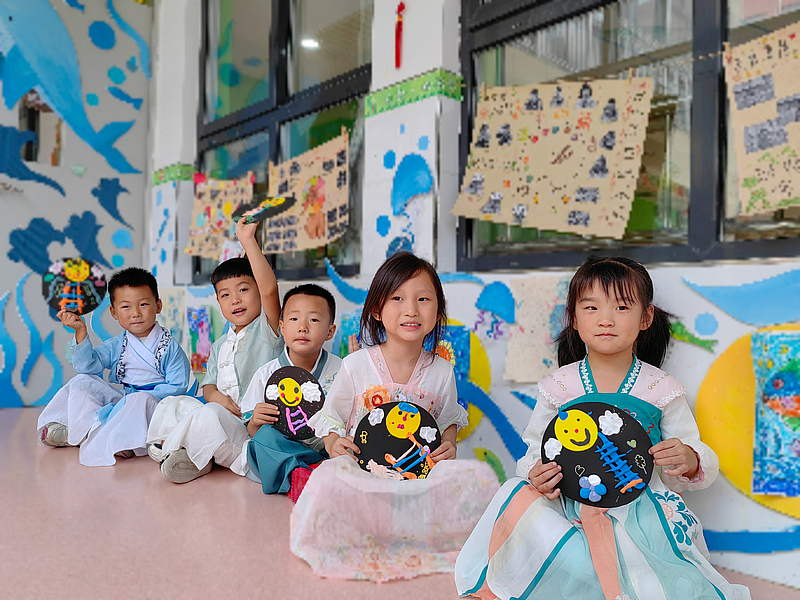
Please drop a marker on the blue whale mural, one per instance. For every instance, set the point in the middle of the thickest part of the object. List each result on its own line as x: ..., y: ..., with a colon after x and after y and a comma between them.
x: 11, y: 163
x: 52, y: 70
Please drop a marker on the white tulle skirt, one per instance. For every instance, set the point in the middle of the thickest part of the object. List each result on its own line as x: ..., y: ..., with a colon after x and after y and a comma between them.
x: 350, y: 524
x: 206, y: 431
x: 77, y: 405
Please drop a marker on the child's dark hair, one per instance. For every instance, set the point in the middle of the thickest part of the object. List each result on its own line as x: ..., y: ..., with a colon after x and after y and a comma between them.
x: 233, y: 267
x: 627, y: 280
x: 132, y: 277
x: 312, y: 289
x: 393, y: 273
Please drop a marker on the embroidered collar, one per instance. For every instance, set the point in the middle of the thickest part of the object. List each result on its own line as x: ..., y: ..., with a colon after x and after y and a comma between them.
x: 590, y: 387
x: 161, y: 349
x: 319, y: 366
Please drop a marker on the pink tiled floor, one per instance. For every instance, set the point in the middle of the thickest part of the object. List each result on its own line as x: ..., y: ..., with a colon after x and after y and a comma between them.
x: 68, y: 531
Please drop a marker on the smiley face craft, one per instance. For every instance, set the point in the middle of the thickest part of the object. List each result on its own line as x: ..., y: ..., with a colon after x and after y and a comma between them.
x: 75, y: 285
x: 298, y: 396
x: 603, y: 453
x: 396, y: 440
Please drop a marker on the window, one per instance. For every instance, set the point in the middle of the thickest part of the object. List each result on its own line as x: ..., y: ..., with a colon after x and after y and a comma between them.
x: 284, y: 101
x: 685, y: 204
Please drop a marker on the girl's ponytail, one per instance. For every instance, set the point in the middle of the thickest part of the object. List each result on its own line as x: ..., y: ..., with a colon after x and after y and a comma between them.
x: 571, y: 347
x: 651, y: 344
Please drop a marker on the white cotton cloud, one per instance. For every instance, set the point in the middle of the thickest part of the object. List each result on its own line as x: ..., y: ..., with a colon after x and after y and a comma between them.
x: 594, y: 479
x: 311, y: 391
x: 610, y: 423
x: 428, y: 434
x: 375, y: 416
x: 272, y: 392
x: 552, y: 448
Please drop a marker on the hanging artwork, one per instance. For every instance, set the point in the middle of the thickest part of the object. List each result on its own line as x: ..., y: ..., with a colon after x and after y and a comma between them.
x: 396, y: 440
x: 776, y: 448
x: 563, y: 156
x: 764, y: 101
x: 199, y: 338
x: 602, y: 451
x: 319, y: 180
x: 75, y: 285
x: 540, y: 303
x: 298, y: 396
x: 214, y: 204
x: 162, y: 233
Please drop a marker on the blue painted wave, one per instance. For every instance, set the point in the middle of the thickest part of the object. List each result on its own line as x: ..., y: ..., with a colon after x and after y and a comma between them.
x: 472, y: 394
x: 351, y: 293
x: 201, y: 292
x: 97, y: 319
x: 527, y: 400
x: 761, y: 303
x: 753, y: 542
x: 144, y: 50
x: 36, y: 340
x: 459, y: 278
x: 498, y: 299
x: 58, y: 371
x: 9, y: 398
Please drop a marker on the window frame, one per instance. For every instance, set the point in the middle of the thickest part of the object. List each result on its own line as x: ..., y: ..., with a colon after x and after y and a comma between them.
x: 268, y: 115
x: 487, y: 25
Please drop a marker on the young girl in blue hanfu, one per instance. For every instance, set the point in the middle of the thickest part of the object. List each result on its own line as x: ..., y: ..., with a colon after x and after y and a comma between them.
x: 533, y: 542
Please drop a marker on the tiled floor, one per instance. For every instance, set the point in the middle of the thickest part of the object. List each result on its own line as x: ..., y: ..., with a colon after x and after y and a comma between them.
x: 68, y: 531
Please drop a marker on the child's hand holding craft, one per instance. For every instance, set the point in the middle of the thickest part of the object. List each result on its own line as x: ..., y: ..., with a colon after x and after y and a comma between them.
x: 447, y: 449
x: 73, y: 321
x: 677, y: 454
x: 339, y: 446
x: 265, y: 413
x: 545, y: 478
x: 245, y: 230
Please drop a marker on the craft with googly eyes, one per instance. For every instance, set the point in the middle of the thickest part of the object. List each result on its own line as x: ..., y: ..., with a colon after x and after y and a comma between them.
x: 603, y: 452
x: 298, y: 396
x: 396, y: 440
x: 75, y: 285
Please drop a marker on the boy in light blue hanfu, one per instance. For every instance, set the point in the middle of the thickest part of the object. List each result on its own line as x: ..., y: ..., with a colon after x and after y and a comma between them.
x: 150, y: 365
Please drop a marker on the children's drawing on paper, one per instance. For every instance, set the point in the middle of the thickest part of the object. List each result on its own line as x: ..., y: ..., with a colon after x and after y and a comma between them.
x: 776, y: 450
x: 199, y: 338
x: 571, y: 167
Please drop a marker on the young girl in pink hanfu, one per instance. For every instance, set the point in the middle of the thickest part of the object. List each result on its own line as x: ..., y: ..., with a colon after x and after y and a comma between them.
x: 533, y: 542
x: 350, y: 524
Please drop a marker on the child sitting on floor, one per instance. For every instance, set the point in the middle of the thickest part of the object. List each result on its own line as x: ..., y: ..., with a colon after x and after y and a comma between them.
x: 192, y: 433
x: 150, y: 365
x: 306, y: 323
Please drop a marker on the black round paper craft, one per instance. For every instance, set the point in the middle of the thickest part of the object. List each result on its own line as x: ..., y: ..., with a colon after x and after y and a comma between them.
x: 396, y: 440
x: 603, y: 453
x: 270, y: 207
x: 298, y: 396
x: 75, y: 285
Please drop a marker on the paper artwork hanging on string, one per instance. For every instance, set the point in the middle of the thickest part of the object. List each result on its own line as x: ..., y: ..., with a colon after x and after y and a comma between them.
x: 540, y: 303
x: 763, y: 78
x: 212, y: 217
x: 199, y: 321
x: 776, y: 447
x: 75, y: 285
x: 320, y: 182
x: 562, y: 157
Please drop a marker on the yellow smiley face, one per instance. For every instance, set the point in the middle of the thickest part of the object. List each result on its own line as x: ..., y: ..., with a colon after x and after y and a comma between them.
x: 403, y: 420
x: 77, y: 270
x: 289, y: 392
x: 576, y: 430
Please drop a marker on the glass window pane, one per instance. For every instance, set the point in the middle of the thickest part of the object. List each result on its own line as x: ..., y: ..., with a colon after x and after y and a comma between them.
x: 748, y: 20
x: 329, y: 38
x: 237, y: 57
x: 652, y: 37
x: 235, y: 160
x: 308, y: 132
